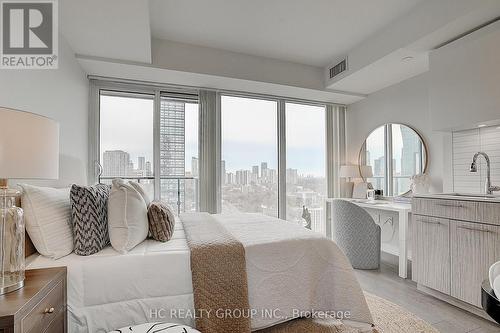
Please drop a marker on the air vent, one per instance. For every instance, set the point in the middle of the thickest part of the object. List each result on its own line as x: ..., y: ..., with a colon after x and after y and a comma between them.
x: 338, y: 68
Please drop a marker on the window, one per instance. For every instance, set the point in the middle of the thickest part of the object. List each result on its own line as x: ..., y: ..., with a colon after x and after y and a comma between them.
x: 126, y: 135
x: 127, y: 143
x: 179, y: 152
x: 306, y: 164
x: 249, y: 168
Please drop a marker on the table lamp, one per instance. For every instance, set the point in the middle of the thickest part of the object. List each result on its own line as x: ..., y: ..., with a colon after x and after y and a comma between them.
x: 29, y: 149
x: 349, y: 172
x: 366, y: 172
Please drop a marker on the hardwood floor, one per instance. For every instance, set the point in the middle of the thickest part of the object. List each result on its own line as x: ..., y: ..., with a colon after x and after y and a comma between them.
x: 445, y: 317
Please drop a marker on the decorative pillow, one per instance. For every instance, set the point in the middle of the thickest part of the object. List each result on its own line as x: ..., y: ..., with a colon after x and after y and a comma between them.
x: 161, y: 221
x: 144, y: 191
x: 47, y: 213
x: 128, y: 216
x: 89, y: 212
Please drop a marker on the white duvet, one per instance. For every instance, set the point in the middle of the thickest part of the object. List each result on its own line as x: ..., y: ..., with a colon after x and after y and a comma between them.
x: 290, y: 271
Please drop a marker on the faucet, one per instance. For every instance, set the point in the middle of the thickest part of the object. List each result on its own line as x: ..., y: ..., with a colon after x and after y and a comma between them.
x: 473, y: 168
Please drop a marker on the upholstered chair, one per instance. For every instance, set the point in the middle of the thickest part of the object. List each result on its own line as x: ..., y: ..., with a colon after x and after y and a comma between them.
x: 357, y: 234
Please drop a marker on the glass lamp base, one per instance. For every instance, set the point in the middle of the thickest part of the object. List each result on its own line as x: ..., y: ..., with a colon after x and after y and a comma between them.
x: 12, y: 259
x: 12, y: 287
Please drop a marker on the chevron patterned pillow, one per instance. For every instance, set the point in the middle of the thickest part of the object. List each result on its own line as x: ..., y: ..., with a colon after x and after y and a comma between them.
x: 89, y: 214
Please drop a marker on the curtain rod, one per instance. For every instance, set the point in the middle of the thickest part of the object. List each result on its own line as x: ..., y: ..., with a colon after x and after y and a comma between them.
x: 167, y: 86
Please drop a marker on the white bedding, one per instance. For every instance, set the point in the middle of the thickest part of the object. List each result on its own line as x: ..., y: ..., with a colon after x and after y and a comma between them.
x: 109, y: 290
x: 289, y: 268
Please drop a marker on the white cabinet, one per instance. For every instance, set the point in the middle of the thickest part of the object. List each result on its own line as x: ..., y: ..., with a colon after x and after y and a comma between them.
x: 474, y: 248
x: 455, y: 242
x: 431, y: 252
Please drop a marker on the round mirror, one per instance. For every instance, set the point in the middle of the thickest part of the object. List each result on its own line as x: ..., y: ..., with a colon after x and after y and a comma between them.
x: 390, y: 156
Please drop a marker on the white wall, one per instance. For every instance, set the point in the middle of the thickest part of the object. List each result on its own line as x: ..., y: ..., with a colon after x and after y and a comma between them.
x: 405, y: 103
x: 62, y: 95
x: 464, y: 81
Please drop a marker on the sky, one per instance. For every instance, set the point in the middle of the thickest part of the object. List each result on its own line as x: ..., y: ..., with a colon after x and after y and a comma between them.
x: 249, y: 132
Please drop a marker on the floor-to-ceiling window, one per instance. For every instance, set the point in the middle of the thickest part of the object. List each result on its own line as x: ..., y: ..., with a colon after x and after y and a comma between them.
x: 126, y: 137
x: 179, y: 152
x: 305, y: 164
x: 249, y: 167
x: 132, y: 124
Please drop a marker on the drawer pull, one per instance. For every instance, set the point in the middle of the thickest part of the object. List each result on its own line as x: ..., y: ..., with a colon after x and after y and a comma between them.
x: 428, y: 221
x: 48, y: 310
x: 473, y: 229
x: 450, y: 205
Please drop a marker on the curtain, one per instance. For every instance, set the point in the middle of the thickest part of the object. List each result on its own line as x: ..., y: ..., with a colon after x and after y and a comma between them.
x: 335, y: 155
x: 209, y: 151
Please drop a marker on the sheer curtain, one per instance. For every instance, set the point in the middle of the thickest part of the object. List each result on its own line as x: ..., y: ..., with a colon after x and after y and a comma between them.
x: 210, y: 152
x: 336, y: 154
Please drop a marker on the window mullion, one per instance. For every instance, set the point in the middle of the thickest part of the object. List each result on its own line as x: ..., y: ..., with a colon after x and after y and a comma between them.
x: 388, y: 160
x: 156, y: 144
x: 281, y: 159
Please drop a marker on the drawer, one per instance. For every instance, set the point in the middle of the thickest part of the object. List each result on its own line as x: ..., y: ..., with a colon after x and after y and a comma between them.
x: 488, y: 212
x: 57, y: 325
x: 45, y: 311
x: 450, y: 209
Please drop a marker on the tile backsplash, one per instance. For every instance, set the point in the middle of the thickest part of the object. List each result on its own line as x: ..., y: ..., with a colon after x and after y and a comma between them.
x: 465, y: 145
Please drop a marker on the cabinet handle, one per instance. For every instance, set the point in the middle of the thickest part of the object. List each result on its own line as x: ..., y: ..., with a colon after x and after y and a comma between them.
x: 473, y: 229
x: 49, y: 310
x: 450, y: 205
x: 428, y: 221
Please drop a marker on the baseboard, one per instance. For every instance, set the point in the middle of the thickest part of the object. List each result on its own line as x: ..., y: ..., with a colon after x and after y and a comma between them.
x: 456, y: 302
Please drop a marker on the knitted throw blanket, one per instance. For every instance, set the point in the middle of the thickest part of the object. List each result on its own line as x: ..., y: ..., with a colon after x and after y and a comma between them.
x: 219, y: 275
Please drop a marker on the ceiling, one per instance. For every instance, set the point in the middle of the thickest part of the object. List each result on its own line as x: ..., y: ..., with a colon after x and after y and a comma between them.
x: 306, y: 32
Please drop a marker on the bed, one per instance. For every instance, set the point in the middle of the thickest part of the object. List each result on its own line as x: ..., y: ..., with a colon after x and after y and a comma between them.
x: 289, y: 268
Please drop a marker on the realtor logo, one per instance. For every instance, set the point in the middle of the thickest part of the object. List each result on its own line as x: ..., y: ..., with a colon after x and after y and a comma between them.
x: 29, y: 34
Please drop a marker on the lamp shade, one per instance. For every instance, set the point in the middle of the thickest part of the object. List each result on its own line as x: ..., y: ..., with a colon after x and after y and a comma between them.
x: 366, y: 171
x: 29, y: 146
x: 349, y: 171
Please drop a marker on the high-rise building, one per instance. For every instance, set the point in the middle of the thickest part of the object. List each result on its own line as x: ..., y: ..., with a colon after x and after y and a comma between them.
x: 255, y: 170
x: 223, y: 172
x: 141, y: 163
x: 149, y: 172
x: 263, y: 170
x: 292, y: 176
x: 116, y: 163
x: 172, y: 149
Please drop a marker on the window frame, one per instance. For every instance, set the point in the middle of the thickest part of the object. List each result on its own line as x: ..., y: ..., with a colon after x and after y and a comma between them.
x: 157, y: 92
x: 334, y: 131
x: 281, y: 139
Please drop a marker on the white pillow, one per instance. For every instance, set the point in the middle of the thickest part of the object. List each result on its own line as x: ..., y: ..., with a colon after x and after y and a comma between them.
x: 47, y: 213
x: 127, y: 216
x: 144, y: 190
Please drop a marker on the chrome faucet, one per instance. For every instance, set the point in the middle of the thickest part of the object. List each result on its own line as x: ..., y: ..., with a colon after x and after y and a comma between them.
x: 473, y: 168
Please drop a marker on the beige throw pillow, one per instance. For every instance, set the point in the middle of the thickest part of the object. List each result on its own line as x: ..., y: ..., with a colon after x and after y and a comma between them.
x: 161, y: 221
x: 127, y: 216
x: 47, y: 213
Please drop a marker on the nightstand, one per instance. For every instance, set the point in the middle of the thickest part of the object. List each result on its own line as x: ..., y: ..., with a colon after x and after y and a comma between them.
x: 39, y: 307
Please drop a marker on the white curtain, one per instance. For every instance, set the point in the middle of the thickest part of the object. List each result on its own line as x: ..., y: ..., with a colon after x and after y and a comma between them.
x: 336, y: 154
x: 209, y: 151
